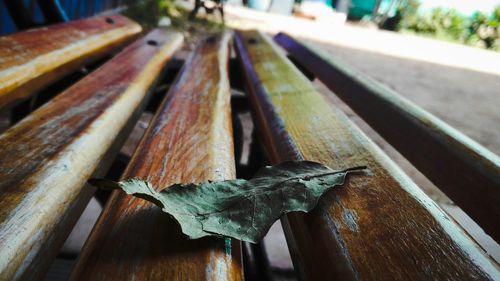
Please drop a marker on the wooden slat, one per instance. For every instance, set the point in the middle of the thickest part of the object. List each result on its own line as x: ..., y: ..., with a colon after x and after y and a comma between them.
x: 47, y: 158
x: 466, y: 171
x: 190, y: 140
x: 378, y: 226
x: 32, y: 59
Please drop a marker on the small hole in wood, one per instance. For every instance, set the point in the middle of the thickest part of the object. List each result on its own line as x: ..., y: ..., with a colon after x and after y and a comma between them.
x: 211, y: 40
x: 252, y: 41
x: 110, y: 20
x: 152, y: 42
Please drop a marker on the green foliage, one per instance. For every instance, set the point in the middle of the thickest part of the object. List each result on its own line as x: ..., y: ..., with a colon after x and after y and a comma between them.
x: 146, y: 12
x: 479, y: 30
x: 240, y: 209
x: 442, y: 23
x: 408, y: 11
x: 485, y: 30
x: 149, y: 12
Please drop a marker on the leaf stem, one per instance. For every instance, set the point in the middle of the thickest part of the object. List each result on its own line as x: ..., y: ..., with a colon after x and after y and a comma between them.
x: 353, y: 169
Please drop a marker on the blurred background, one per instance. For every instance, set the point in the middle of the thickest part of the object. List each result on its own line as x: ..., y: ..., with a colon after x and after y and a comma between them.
x: 474, y: 23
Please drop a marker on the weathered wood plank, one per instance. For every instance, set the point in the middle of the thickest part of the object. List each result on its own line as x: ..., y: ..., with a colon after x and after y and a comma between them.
x: 190, y: 140
x: 47, y: 158
x: 466, y: 171
x: 32, y: 59
x: 379, y: 226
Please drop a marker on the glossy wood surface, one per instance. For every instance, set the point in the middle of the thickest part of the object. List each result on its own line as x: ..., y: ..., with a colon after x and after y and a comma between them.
x: 47, y: 157
x: 466, y: 171
x: 32, y: 59
x: 189, y: 140
x: 378, y: 226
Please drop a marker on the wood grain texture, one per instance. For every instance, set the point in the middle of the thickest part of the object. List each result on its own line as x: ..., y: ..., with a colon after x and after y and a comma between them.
x: 47, y: 158
x: 466, y: 171
x: 378, y: 226
x: 32, y: 59
x: 190, y: 140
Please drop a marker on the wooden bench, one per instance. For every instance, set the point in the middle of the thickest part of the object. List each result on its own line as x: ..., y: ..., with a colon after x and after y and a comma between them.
x: 48, y: 156
x: 32, y: 60
x: 458, y: 165
x: 190, y: 140
x: 379, y: 226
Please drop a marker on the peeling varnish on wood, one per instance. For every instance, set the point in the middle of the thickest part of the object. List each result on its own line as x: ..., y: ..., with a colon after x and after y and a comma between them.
x: 350, y: 218
x: 397, y: 231
x: 189, y: 140
x: 60, y: 145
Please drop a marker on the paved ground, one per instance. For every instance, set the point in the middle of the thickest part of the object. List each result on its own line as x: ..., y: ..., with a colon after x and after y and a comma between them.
x: 457, y: 83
